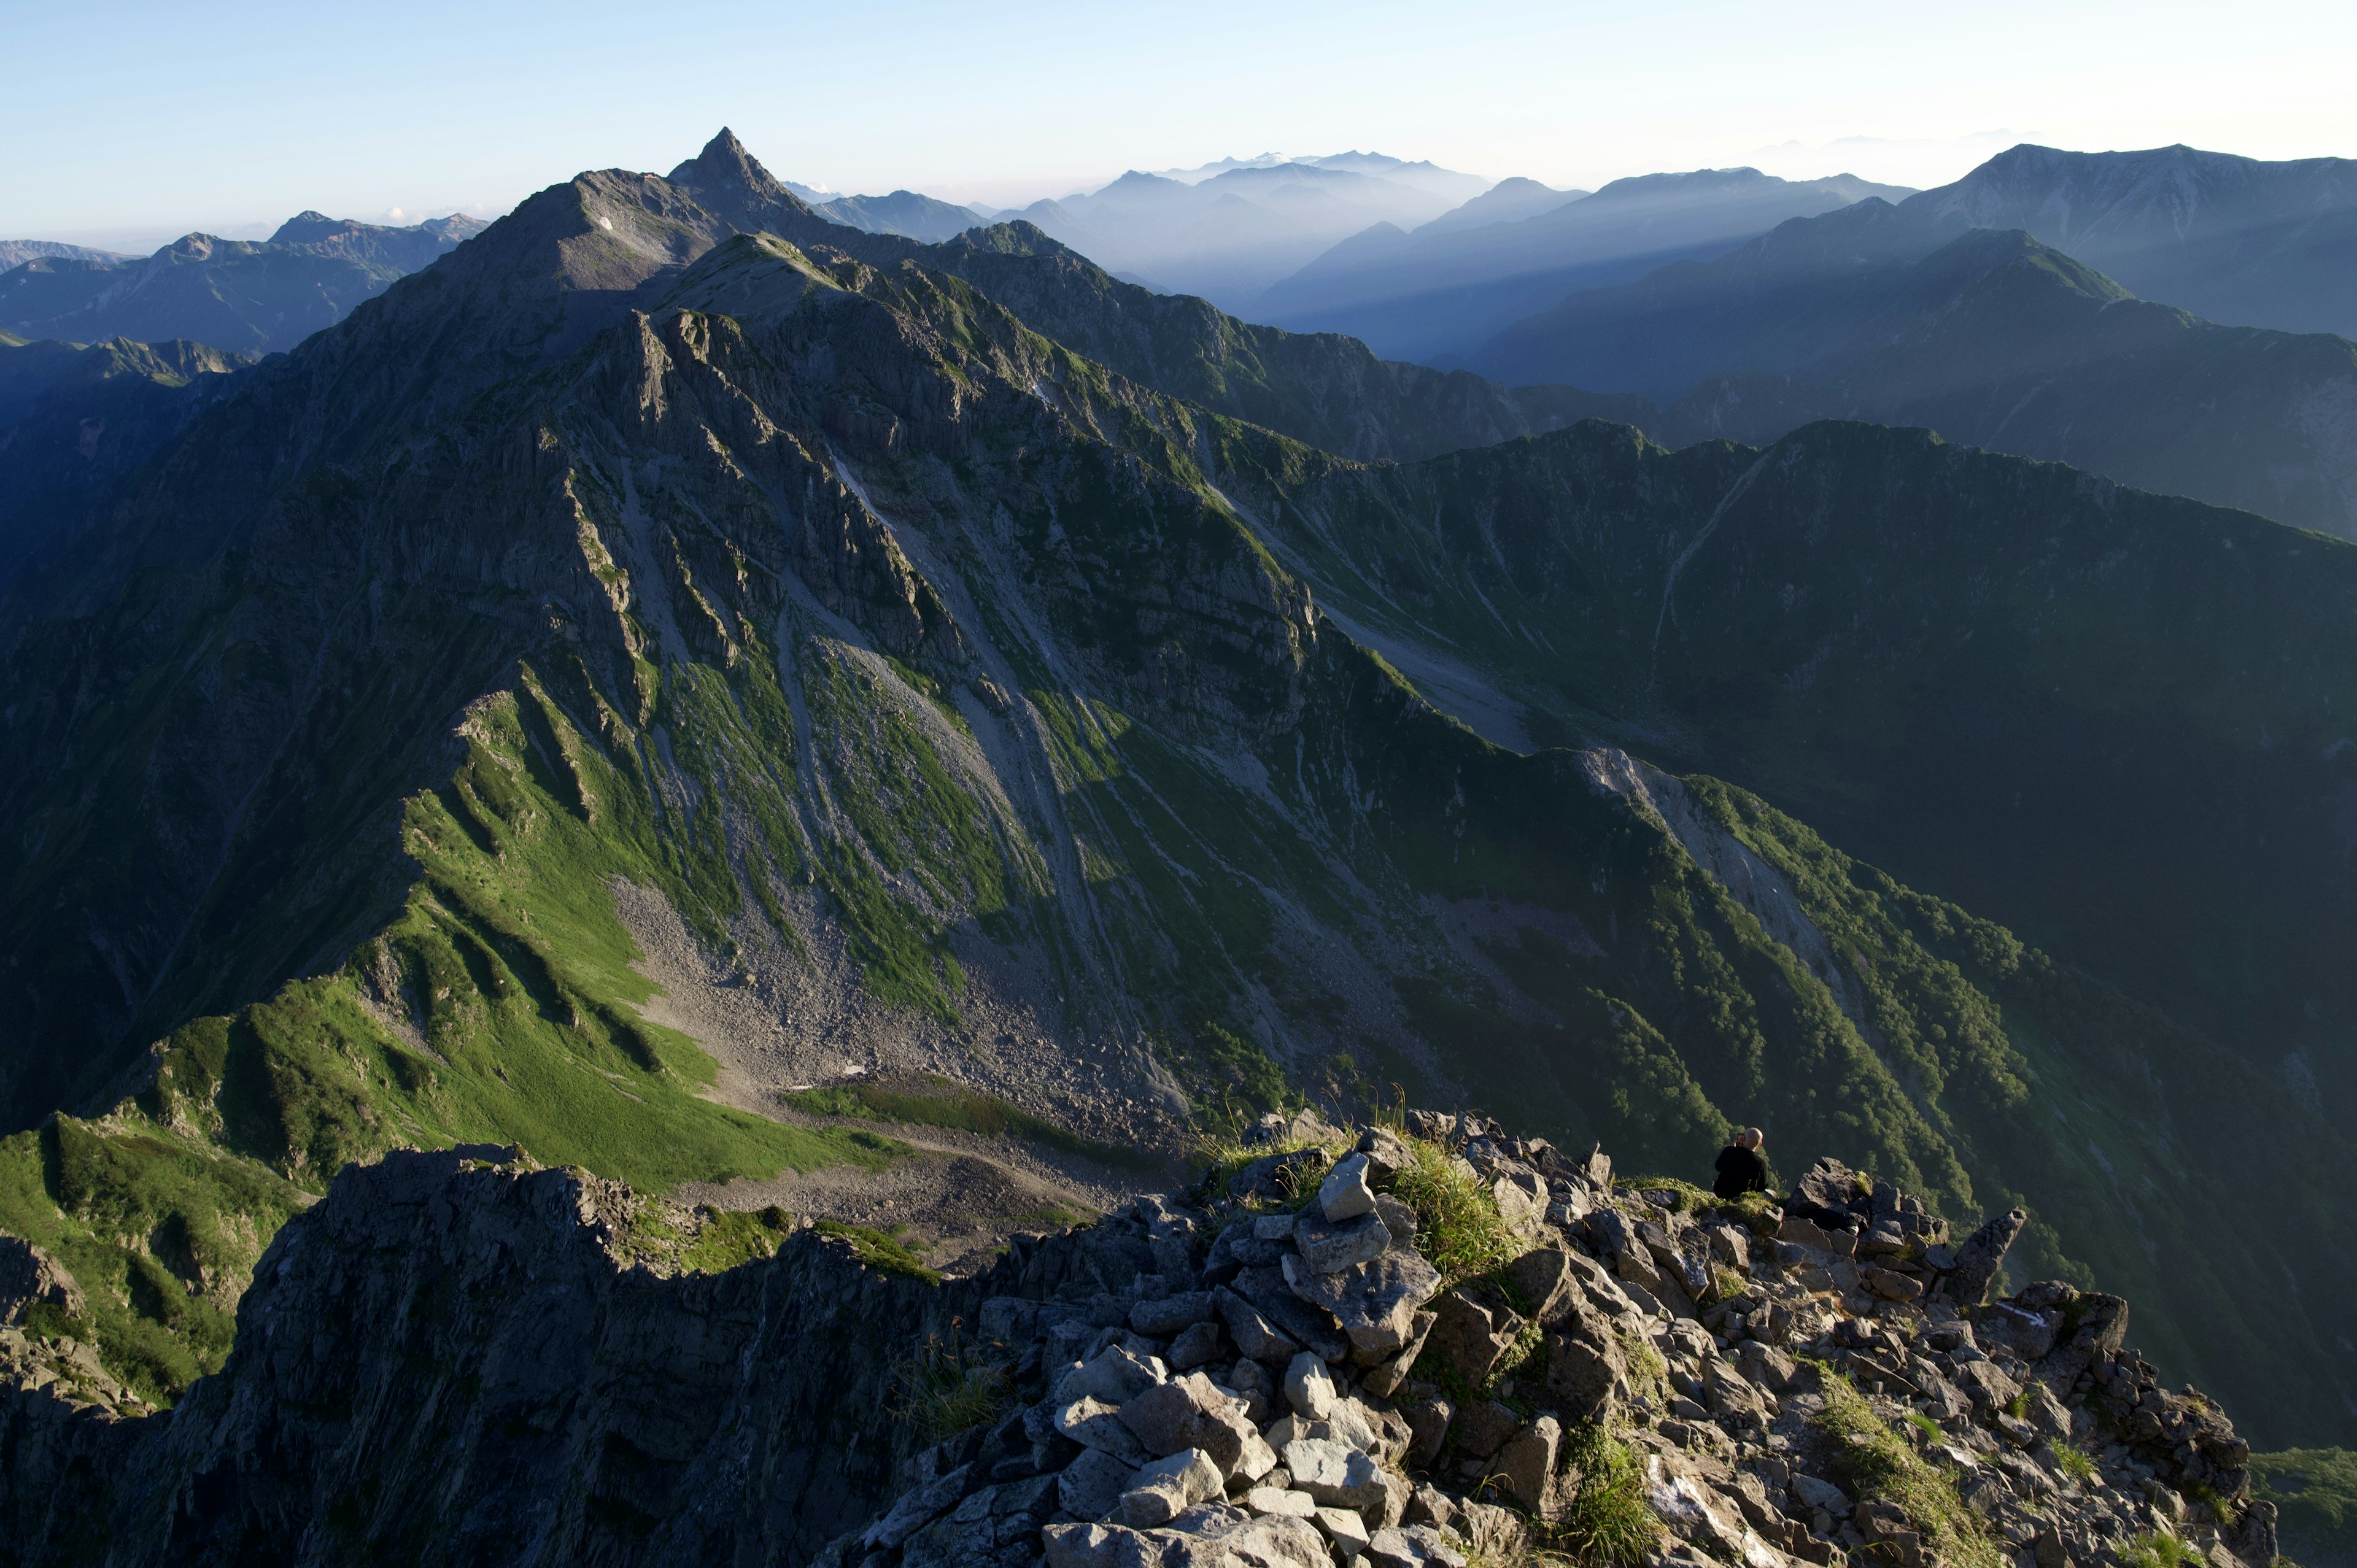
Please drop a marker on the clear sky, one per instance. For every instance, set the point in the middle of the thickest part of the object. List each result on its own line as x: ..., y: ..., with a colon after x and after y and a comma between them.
x: 138, y: 121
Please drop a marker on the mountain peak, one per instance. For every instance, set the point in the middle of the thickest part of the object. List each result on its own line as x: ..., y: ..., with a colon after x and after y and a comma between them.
x: 726, y: 162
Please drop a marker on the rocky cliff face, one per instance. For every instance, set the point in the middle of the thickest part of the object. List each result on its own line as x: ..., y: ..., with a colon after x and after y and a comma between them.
x: 1447, y: 1342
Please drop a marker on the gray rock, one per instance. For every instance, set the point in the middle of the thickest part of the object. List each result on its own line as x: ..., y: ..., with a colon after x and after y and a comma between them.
x: 1376, y: 1302
x: 1891, y: 1285
x: 1584, y: 1370
x: 1387, y: 1154
x: 1272, y: 1541
x: 1312, y: 1327
x: 1544, y: 1276
x: 1821, y: 1493
x: 917, y: 1507
x: 1471, y: 1337
x: 1480, y: 1429
x: 1327, y: 1245
x: 1336, y: 1475
x: 1094, y: 1424
x: 29, y: 1277
x: 1281, y: 1501
x: 1255, y: 1336
x: 1168, y: 1488
x: 1428, y: 1423
x: 1526, y: 1460
x: 1198, y: 1346
x: 1271, y: 1227
x: 1345, y: 1193
x: 1189, y: 1412
x: 1307, y: 1389
x: 1983, y: 1253
x: 1101, y: 1546
x: 1112, y: 1375
x: 1093, y: 1484
x: 1398, y: 1218
x: 1412, y: 1546
x: 1347, y: 1532
x: 1170, y: 1315
x: 1384, y: 1378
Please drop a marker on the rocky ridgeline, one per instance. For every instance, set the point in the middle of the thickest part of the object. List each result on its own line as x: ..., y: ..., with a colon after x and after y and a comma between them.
x: 455, y: 1358
x: 1308, y: 1393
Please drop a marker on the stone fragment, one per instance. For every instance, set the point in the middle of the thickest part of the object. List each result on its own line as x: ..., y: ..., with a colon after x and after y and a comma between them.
x: 1198, y: 1346
x: 1397, y: 1217
x: 1544, y: 1277
x: 1189, y: 1412
x: 1161, y: 1319
x: 1821, y: 1493
x: 1092, y: 1486
x: 1471, y: 1338
x: 1347, y: 1532
x: 1346, y: 1194
x: 1428, y: 1423
x: 1281, y: 1501
x: 1384, y: 1378
x: 1376, y: 1302
x: 1327, y: 1245
x: 1312, y: 1327
x: 1891, y: 1285
x: 1481, y: 1428
x: 1099, y: 1546
x: 1583, y: 1369
x: 1522, y: 1200
x: 1526, y: 1460
x: 1387, y: 1154
x: 1412, y: 1546
x: 1493, y: 1532
x: 1307, y: 1389
x: 1271, y: 1227
x: 1112, y: 1375
x: 1255, y: 1336
x: 1094, y: 1424
x: 1336, y: 1475
x: 917, y: 1507
x: 1164, y: 1489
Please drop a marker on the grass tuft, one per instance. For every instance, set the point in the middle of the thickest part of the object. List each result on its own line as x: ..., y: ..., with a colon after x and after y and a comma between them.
x: 946, y: 1388
x: 2157, y: 1549
x: 879, y: 1251
x: 1459, y: 1229
x: 1607, y: 1523
x: 1883, y: 1466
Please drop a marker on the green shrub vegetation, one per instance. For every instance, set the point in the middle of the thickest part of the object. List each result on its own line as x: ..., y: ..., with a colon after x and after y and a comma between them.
x: 1459, y: 1229
x: 1606, y: 1523
x: 879, y: 1251
x: 948, y: 1388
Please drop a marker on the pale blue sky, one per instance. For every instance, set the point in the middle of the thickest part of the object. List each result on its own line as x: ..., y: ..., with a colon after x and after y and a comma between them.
x: 141, y: 120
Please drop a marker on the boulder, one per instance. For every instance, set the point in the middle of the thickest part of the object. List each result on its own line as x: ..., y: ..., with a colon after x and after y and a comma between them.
x: 1823, y: 1495
x: 1387, y: 1155
x: 1281, y: 1501
x: 1094, y: 1424
x: 1544, y: 1277
x: 1336, y: 1475
x: 1345, y: 1529
x: 1103, y: 1546
x: 1808, y: 1233
x: 1312, y: 1327
x: 1526, y: 1460
x: 1346, y: 1193
x: 1161, y: 1319
x: 1199, y: 1346
x: 1584, y: 1370
x: 1307, y: 1389
x: 917, y: 1507
x: 1480, y: 1429
x: 1427, y: 1423
x: 1384, y: 1378
x: 1522, y: 1200
x: 1891, y: 1285
x: 1376, y: 1302
x: 1092, y: 1486
x: 1412, y: 1546
x: 1189, y: 1412
x: 1255, y: 1336
x: 1112, y: 1375
x: 1469, y: 1338
x: 1161, y: 1491
x: 1327, y: 1245
x: 1830, y: 1183
x: 1398, y: 1218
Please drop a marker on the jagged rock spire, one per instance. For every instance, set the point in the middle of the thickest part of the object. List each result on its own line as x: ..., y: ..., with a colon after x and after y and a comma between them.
x: 725, y: 162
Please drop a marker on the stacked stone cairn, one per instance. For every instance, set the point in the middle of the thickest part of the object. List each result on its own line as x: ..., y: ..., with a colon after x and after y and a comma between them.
x: 1284, y: 1382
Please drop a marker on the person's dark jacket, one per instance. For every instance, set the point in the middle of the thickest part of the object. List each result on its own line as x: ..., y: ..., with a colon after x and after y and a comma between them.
x: 1739, y: 1171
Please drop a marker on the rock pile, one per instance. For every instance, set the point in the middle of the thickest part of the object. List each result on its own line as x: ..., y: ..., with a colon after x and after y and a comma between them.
x: 1289, y: 1386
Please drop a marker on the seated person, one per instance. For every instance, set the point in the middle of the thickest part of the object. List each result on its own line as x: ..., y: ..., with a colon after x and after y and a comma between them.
x: 1740, y: 1168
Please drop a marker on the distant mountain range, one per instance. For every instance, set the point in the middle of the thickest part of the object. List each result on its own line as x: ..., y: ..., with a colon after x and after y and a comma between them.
x: 903, y: 212
x: 15, y: 251
x: 1990, y: 337
x: 1436, y: 294
x: 239, y: 296
x: 1229, y: 235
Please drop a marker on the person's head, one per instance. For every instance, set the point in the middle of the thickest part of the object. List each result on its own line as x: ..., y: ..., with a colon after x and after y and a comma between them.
x: 1751, y: 1138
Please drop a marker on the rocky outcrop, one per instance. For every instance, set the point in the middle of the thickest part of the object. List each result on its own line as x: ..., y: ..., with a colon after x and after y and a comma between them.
x: 456, y: 1359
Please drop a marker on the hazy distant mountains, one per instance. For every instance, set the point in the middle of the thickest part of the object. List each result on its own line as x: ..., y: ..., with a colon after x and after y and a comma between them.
x: 2236, y: 240
x: 1229, y: 235
x: 14, y: 253
x: 239, y: 296
x: 903, y: 212
x: 1435, y: 295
